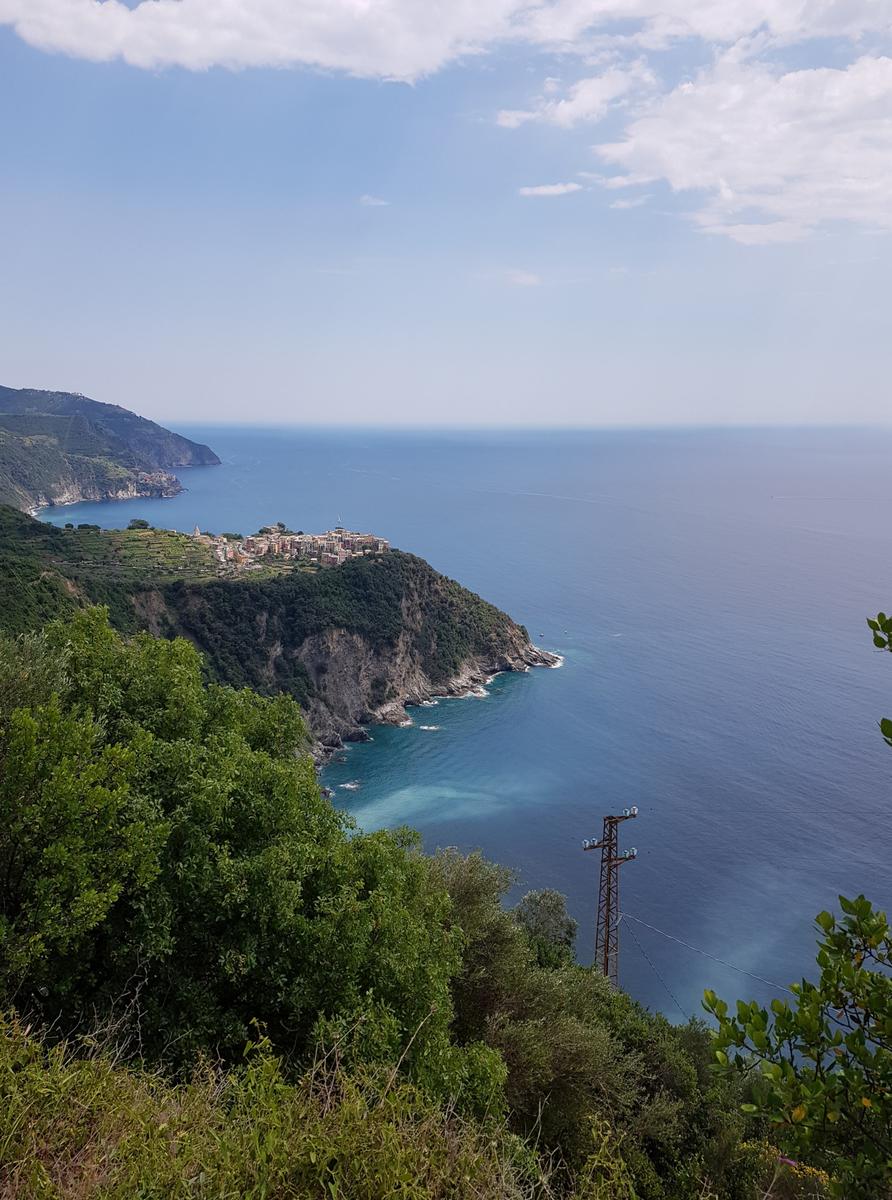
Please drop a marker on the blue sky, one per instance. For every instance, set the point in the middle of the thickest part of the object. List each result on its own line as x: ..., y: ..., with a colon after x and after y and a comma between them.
x: 342, y: 220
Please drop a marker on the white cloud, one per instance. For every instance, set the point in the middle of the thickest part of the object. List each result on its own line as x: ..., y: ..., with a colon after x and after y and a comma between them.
x: 513, y: 118
x: 368, y: 201
x: 773, y: 155
x: 400, y: 39
x: 405, y: 39
x: 522, y: 278
x: 550, y: 189
x: 770, y: 154
x: 659, y: 22
x: 631, y: 202
x: 586, y: 100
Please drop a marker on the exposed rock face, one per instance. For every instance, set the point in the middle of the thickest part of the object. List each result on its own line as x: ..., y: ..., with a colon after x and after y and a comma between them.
x: 346, y: 673
x: 153, y: 484
x: 354, y: 644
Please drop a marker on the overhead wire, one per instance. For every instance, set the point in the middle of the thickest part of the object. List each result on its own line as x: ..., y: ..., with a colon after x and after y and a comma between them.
x: 706, y: 954
x: 656, y: 972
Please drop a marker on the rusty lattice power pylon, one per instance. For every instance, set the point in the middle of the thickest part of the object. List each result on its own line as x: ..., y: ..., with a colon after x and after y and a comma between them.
x: 607, y: 925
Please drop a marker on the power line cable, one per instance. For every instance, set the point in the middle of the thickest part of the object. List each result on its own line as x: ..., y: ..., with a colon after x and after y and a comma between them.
x: 656, y: 972
x: 723, y: 962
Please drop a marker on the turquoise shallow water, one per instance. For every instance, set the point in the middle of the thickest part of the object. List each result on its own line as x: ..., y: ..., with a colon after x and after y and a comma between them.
x: 708, y: 591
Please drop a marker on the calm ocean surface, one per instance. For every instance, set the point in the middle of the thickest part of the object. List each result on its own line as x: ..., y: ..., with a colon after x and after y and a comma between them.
x: 708, y: 591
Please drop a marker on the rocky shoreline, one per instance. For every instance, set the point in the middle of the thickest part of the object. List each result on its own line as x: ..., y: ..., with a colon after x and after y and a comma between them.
x: 470, y: 681
x: 143, y: 485
x: 355, y: 645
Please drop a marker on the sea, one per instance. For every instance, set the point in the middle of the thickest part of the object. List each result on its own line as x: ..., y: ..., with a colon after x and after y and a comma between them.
x: 707, y: 590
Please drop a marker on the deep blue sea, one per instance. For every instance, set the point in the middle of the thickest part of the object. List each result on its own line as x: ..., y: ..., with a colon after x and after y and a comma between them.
x: 708, y: 591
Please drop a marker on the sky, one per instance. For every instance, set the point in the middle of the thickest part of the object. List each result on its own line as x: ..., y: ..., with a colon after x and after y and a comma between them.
x: 435, y: 212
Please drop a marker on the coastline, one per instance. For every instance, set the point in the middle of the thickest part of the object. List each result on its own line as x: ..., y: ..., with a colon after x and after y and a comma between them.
x: 156, y: 485
x: 469, y: 683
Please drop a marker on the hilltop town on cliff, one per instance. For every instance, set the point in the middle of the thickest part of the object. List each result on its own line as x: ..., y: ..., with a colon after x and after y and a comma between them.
x: 328, y: 549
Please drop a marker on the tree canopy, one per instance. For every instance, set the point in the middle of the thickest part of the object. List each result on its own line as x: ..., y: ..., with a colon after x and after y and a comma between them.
x: 174, y: 880
x: 166, y: 844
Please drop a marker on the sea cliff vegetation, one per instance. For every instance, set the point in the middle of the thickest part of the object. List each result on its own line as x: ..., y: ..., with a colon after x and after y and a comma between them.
x: 216, y: 986
x: 59, y: 447
x: 351, y: 643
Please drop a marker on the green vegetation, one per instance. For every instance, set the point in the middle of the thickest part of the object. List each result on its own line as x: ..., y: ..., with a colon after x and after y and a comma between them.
x: 31, y: 593
x: 365, y: 596
x: 78, y: 1126
x: 174, y: 882
x: 58, y: 444
x: 49, y: 572
x: 168, y: 582
x: 210, y: 869
x: 821, y: 1068
x: 131, y: 556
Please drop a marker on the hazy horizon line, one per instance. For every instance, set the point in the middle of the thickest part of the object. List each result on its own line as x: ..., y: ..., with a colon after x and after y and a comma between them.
x: 413, y: 427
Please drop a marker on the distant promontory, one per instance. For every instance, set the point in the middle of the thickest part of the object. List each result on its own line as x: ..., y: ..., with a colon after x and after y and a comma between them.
x: 62, y: 447
x: 354, y: 643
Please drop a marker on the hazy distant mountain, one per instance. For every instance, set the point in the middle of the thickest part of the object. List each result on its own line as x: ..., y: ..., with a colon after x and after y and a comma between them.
x: 61, y: 447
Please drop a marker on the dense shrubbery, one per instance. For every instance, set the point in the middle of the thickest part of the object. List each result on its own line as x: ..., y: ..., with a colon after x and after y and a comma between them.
x: 820, y: 1067
x: 48, y: 573
x: 574, y: 1046
x: 166, y: 849
x: 173, y: 877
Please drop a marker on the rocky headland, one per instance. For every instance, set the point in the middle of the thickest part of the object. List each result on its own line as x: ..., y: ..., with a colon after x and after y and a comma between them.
x: 347, y: 674
x: 62, y: 448
x: 354, y: 644
x: 69, y: 489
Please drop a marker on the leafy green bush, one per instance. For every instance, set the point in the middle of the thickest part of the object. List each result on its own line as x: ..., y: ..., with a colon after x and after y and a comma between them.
x: 577, y: 1051
x: 821, y: 1068
x: 174, y: 874
x: 550, y: 929
x: 170, y: 855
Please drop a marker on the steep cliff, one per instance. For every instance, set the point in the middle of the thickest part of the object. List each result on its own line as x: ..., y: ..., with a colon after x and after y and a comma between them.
x: 354, y: 644
x: 60, y: 447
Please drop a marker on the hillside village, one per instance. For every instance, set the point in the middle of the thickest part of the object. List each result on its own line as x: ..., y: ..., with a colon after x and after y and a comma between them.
x: 276, y: 542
